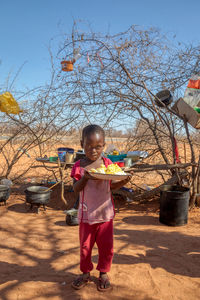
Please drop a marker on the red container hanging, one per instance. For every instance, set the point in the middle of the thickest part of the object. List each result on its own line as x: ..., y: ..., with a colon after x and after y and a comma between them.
x: 194, y: 84
x: 67, y: 65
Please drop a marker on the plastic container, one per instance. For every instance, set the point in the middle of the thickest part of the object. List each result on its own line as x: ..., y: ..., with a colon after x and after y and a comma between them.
x: 115, y: 158
x: 174, y: 204
x: 53, y: 158
x: 63, y: 151
x: 120, y: 163
x: 127, y: 162
x: 197, y: 109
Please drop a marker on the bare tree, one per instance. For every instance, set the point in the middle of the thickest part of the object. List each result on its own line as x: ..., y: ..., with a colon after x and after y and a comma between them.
x: 115, y: 80
x: 45, y: 120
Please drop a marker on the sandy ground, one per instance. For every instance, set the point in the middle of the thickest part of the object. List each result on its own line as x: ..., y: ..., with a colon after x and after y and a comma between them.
x: 39, y: 254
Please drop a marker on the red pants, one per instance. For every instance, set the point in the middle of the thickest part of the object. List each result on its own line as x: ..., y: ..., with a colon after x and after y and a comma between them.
x: 102, y: 234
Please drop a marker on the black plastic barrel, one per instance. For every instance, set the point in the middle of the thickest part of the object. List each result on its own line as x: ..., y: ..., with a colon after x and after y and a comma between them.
x: 174, y: 204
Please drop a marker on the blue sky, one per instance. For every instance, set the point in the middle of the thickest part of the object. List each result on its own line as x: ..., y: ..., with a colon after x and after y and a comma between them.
x: 26, y: 28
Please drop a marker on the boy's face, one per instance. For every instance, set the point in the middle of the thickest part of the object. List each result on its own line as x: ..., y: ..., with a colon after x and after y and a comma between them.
x: 93, y: 145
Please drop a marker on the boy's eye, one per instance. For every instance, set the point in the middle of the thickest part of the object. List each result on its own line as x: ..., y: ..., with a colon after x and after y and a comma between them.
x: 98, y: 147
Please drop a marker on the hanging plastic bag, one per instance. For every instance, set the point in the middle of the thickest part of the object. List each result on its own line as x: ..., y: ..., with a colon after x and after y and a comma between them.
x: 194, y: 82
x: 192, y: 92
x: 192, y: 97
x: 8, y: 104
x: 77, y: 54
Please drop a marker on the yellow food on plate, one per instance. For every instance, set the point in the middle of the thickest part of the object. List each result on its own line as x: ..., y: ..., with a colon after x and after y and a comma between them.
x: 101, y: 169
x: 111, y: 169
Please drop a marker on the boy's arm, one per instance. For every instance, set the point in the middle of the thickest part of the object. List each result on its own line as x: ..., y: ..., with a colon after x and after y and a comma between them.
x: 78, y: 185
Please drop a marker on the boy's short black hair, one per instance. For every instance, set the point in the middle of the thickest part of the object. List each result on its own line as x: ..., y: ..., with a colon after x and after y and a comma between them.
x: 90, y: 129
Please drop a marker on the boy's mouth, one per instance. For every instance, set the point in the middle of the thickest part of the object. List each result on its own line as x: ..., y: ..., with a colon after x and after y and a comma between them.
x: 93, y: 155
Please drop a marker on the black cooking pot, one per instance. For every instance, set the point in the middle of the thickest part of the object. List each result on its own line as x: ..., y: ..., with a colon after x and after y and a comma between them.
x: 4, y: 193
x: 37, y: 195
x: 165, y: 98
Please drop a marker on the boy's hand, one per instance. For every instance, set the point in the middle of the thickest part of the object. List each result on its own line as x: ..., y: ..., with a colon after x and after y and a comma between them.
x: 88, y: 176
x: 128, y: 178
x: 118, y: 184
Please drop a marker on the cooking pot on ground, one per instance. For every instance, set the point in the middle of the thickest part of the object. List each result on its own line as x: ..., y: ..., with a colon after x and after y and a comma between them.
x: 4, y: 193
x: 37, y: 195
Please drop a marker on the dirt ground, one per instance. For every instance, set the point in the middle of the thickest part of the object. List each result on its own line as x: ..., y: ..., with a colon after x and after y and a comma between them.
x: 39, y: 254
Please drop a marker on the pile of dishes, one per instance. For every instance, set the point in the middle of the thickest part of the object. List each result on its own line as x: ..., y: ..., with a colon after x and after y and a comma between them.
x: 127, y: 159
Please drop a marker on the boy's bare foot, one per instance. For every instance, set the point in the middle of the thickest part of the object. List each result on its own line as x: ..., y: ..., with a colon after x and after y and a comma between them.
x: 81, y: 281
x: 104, y: 284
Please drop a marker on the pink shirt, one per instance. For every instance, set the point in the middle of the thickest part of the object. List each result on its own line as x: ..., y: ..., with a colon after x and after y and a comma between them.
x: 95, y: 204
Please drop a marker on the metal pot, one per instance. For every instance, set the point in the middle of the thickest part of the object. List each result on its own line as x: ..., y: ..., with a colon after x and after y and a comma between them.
x: 71, y: 220
x: 37, y: 195
x: 71, y: 217
x: 4, y: 193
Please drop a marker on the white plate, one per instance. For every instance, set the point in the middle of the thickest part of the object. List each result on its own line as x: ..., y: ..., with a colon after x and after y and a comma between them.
x: 109, y: 176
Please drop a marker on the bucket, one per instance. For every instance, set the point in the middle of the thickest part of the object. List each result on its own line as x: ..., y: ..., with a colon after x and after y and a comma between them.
x: 174, y: 204
x: 66, y: 154
x: 127, y: 162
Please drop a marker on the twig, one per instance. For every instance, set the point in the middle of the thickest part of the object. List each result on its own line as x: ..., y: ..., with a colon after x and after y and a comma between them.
x: 52, y: 186
x: 148, y: 168
x: 153, y: 192
x: 185, y: 158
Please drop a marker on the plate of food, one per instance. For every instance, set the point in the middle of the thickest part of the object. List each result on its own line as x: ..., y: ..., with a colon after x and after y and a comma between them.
x: 112, y: 172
